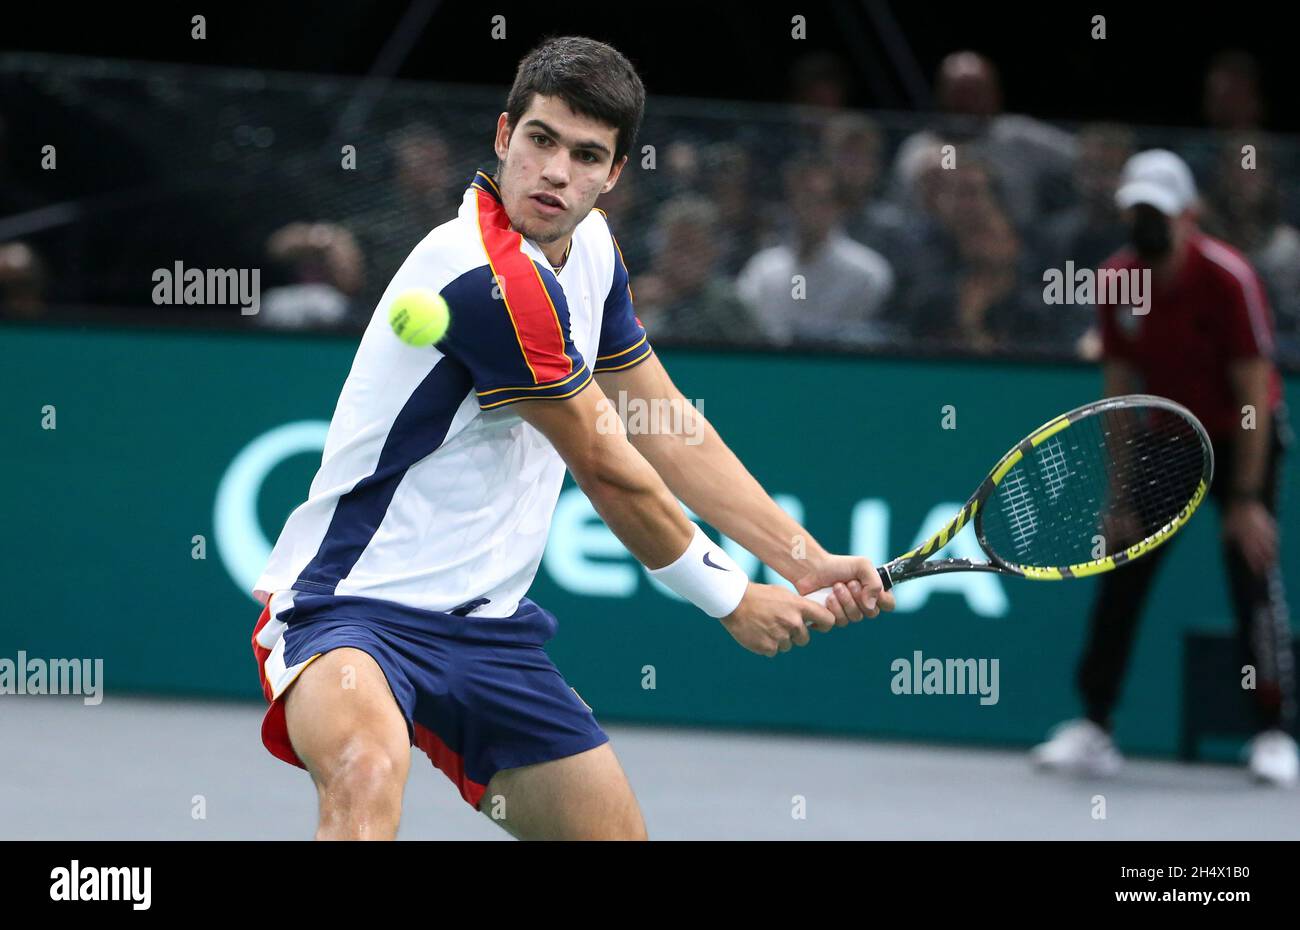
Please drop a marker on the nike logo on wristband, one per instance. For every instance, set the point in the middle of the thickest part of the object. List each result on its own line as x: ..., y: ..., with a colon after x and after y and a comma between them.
x: 721, y: 568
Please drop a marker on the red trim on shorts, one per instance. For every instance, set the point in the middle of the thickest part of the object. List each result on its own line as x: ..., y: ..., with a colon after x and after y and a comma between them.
x: 275, y: 731
x: 451, y: 763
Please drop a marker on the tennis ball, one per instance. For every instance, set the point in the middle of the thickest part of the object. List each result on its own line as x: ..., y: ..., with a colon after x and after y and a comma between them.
x: 419, y: 316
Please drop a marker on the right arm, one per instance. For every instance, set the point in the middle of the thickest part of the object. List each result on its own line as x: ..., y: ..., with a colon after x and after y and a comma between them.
x: 639, y: 509
x: 626, y: 491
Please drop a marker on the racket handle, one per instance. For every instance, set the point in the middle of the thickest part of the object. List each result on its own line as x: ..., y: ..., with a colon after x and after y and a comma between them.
x: 821, y: 594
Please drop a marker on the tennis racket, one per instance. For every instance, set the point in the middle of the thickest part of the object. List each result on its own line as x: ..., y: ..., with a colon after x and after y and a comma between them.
x: 1085, y: 493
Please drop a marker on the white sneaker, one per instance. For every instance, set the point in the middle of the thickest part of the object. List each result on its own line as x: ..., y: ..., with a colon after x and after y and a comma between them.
x: 1274, y: 759
x: 1079, y: 747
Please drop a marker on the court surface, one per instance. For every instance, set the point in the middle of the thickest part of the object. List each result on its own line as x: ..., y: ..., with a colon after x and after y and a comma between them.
x: 139, y: 768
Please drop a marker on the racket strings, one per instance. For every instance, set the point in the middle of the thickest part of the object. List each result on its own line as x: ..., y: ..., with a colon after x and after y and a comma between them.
x: 1105, y: 483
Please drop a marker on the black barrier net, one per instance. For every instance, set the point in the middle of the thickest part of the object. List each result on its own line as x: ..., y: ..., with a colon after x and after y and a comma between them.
x: 742, y: 224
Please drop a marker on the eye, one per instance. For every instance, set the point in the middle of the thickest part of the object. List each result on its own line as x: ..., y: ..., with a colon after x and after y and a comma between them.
x: 540, y: 139
x: 588, y: 158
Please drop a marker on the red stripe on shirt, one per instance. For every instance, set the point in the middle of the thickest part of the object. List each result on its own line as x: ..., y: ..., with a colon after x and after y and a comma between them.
x: 536, y: 322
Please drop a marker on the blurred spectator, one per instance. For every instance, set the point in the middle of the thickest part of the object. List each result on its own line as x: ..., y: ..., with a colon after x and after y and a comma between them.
x: 1232, y: 100
x: 819, y: 286
x: 853, y: 147
x: 424, y: 193
x: 627, y: 209
x: 819, y: 79
x: 323, y: 271
x: 1092, y: 229
x: 682, y: 296
x: 1243, y: 209
x: 679, y: 167
x: 986, y: 298
x: 22, y: 282
x: 1089, y: 232
x: 743, y: 221
x: 1034, y: 160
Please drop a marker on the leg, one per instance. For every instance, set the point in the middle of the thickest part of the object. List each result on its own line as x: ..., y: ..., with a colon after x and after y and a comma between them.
x: 347, y: 729
x: 580, y: 797
x: 1263, y: 624
x: 1264, y: 637
x: 1112, y: 626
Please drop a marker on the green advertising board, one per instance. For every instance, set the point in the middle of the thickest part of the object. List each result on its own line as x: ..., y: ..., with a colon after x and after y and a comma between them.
x: 137, y: 523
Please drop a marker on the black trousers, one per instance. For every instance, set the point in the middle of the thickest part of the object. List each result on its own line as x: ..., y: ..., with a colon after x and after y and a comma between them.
x: 1258, y: 602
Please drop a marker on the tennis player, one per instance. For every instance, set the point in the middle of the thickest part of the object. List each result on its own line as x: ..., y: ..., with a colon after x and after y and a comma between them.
x: 1206, y: 341
x: 395, y: 598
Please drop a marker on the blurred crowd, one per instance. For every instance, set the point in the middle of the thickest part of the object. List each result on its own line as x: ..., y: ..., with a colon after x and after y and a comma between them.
x: 821, y: 226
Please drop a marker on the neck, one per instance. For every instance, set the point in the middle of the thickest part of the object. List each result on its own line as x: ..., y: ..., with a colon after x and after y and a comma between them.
x: 555, y: 251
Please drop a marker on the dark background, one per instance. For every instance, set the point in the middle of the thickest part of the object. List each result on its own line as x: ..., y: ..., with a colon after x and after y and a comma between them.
x: 1148, y: 70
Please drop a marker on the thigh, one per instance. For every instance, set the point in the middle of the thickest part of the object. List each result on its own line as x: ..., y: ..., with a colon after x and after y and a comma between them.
x: 339, y: 705
x: 585, y: 796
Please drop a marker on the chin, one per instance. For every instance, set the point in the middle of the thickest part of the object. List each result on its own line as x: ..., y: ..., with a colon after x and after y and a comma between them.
x: 542, y: 233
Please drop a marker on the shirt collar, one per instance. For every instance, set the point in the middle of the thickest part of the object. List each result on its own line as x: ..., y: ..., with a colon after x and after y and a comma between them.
x: 482, y: 180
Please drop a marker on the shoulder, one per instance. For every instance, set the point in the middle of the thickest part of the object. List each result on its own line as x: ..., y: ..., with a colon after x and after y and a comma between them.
x: 771, y: 259
x: 1227, y: 267
x: 596, y: 234
x: 1222, y: 260
x: 861, y: 257
x: 447, y: 252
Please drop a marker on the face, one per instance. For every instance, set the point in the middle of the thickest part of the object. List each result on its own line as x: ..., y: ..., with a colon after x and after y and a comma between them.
x: 554, y: 164
x: 813, y: 202
x: 422, y: 165
x: 856, y: 160
x: 689, y: 252
x: 1155, y: 236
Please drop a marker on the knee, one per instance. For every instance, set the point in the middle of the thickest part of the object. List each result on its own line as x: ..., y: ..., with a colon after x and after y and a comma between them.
x: 364, y: 775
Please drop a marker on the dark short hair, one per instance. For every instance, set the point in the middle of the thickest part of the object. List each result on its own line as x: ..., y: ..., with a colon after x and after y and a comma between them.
x: 593, y: 78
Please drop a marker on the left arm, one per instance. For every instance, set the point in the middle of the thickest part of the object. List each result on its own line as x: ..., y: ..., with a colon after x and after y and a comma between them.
x: 1248, y: 337
x: 699, y: 468
x: 1247, y: 518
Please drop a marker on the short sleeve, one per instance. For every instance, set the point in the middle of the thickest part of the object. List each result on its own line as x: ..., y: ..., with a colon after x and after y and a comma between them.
x: 1249, y: 319
x: 511, y: 331
x: 623, y: 340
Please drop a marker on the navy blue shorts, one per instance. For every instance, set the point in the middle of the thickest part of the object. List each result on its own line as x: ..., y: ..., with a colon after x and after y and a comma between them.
x: 479, y: 694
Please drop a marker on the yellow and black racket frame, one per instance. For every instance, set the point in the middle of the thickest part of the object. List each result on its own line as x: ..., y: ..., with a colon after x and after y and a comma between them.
x: 913, y: 564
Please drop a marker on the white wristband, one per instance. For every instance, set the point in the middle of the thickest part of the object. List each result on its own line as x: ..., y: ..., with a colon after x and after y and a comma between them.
x: 706, y: 576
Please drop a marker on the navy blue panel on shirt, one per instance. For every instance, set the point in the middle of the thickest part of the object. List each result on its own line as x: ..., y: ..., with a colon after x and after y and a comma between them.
x: 418, y: 430
x: 623, y: 341
x: 484, y: 337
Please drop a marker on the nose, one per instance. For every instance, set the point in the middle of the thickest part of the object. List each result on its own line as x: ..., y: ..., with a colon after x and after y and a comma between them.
x: 555, y: 170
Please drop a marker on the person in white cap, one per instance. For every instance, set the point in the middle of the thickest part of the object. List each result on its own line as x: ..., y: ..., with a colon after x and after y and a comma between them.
x: 1202, y: 335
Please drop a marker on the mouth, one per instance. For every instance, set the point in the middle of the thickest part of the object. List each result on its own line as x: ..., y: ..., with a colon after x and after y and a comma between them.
x: 548, y: 204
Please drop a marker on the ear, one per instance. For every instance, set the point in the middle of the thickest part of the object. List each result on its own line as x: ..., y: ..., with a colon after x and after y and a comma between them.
x: 614, y: 174
x: 504, y: 132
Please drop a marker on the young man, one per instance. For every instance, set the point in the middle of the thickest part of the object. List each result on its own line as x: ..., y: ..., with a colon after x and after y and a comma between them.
x: 1206, y: 341
x: 395, y: 597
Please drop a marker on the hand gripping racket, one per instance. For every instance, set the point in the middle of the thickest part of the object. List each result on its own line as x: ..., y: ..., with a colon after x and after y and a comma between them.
x: 1084, y: 493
